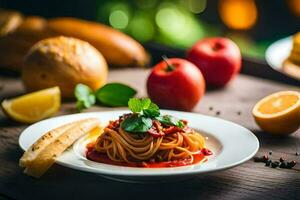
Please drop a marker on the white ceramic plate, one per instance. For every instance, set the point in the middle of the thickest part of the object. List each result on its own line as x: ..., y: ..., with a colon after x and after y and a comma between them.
x: 278, y: 52
x: 231, y: 144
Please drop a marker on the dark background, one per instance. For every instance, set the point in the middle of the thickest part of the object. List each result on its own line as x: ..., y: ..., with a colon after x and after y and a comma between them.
x: 275, y: 19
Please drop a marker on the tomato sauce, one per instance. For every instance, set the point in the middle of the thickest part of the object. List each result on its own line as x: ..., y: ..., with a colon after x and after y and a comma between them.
x: 93, y: 155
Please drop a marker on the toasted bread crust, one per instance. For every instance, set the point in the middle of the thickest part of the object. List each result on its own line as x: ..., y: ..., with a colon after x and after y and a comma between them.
x: 39, y: 163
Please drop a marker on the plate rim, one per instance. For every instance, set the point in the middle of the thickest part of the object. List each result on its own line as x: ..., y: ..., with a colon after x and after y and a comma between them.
x: 130, y: 174
x: 268, y: 57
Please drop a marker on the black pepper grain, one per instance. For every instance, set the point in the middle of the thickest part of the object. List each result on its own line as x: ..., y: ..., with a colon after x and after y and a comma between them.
x: 275, y: 164
x: 268, y: 162
x: 283, y: 164
x: 291, y: 164
x: 257, y: 159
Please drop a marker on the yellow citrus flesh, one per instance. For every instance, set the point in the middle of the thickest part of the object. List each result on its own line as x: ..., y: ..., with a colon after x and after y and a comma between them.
x: 34, y: 106
x: 278, y: 113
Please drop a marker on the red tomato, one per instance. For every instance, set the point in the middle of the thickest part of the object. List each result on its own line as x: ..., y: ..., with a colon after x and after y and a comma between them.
x: 180, y: 87
x: 219, y: 60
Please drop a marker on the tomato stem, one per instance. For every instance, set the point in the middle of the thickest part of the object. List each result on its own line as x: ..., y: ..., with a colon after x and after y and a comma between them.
x: 170, y: 67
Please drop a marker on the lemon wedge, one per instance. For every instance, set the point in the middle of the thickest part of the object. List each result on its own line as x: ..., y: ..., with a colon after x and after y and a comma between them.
x: 34, y: 106
x: 278, y: 113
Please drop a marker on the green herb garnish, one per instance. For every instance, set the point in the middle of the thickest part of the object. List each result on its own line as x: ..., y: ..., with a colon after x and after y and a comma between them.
x: 111, y: 94
x: 136, y: 123
x: 144, y: 111
x: 170, y: 120
x: 144, y: 107
x: 115, y: 94
x: 85, y: 97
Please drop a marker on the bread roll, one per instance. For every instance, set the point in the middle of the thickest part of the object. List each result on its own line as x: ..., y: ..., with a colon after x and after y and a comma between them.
x: 64, y: 62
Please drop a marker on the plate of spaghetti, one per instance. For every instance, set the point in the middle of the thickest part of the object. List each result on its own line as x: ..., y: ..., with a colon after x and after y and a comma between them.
x: 146, y: 143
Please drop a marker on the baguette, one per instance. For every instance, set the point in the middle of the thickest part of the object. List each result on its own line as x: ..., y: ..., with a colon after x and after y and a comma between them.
x: 117, y: 48
x: 45, y: 158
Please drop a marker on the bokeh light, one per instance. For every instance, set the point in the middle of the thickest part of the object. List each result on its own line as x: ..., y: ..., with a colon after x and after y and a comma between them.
x: 294, y: 6
x: 238, y: 14
x: 177, y: 26
x: 196, y: 6
x: 118, y: 19
x: 141, y: 27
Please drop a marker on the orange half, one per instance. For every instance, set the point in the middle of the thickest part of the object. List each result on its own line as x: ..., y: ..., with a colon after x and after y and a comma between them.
x: 278, y: 113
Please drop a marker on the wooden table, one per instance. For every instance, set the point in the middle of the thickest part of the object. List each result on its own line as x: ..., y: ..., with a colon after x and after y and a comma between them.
x: 247, y: 181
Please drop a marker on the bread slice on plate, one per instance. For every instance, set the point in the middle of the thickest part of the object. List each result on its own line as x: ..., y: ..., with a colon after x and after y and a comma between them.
x: 43, y: 153
x: 291, y: 68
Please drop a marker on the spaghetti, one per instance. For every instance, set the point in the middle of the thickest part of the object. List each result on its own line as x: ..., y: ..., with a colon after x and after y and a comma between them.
x: 162, y: 143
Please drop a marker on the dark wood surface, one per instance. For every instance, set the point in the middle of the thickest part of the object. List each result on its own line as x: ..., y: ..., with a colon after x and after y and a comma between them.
x: 247, y: 181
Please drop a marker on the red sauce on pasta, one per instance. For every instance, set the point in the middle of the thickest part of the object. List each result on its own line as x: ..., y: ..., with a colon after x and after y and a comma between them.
x: 93, y: 155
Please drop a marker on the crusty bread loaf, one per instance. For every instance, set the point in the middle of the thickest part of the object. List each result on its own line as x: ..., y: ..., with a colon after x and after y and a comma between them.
x: 9, y: 21
x: 14, y: 46
x: 117, y: 48
x: 64, y: 62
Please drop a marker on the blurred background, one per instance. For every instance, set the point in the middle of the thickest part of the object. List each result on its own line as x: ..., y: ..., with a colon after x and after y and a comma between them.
x: 252, y: 24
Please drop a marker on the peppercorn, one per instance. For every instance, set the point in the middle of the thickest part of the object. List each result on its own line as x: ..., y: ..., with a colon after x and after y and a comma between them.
x: 270, y: 152
x: 297, y: 154
x: 239, y: 113
x: 275, y: 164
x: 210, y: 108
x: 283, y: 164
x: 268, y: 162
x: 265, y: 158
x: 218, y: 113
x: 257, y: 159
x: 291, y: 164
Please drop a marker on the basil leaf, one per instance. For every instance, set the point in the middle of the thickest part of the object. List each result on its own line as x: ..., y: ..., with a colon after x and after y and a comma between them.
x: 144, y: 106
x: 136, y: 124
x: 170, y: 120
x: 115, y: 94
x: 152, y: 111
x: 138, y: 105
x: 85, y: 97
